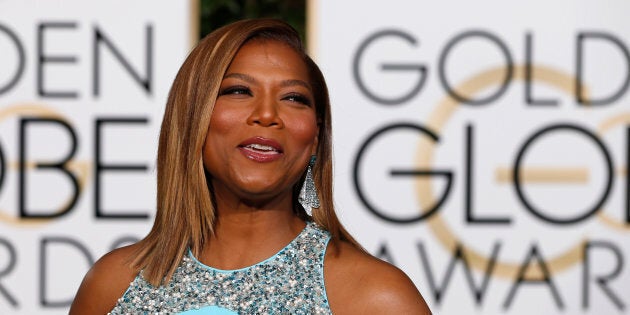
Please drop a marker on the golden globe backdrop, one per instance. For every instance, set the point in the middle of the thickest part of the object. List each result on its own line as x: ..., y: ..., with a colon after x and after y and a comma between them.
x: 82, y: 89
x: 483, y: 147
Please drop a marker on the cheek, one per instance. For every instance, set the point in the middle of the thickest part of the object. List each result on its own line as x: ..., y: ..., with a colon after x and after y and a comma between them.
x: 305, y: 131
x: 223, y: 120
x: 221, y: 125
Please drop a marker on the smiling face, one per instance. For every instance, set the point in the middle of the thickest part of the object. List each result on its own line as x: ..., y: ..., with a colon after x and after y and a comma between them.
x: 263, y: 128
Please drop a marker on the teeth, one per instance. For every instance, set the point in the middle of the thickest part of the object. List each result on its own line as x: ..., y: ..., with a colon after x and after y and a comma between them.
x: 260, y: 147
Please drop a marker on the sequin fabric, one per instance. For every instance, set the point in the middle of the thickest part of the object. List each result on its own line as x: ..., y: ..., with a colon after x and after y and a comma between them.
x: 290, y: 282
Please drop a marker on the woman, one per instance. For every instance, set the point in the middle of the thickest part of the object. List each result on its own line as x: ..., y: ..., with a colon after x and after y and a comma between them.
x: 245, y: 219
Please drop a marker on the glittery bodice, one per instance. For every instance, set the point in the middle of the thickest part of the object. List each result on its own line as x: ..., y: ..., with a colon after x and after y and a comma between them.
x: 290, y: 282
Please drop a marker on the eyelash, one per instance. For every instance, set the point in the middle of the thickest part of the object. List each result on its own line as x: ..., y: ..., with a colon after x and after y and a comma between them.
x: 235, y: 90
x: 298, y: 98
x: 243, y: 90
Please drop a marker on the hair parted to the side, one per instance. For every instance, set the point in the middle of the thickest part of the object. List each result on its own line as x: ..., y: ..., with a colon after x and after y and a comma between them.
x: 185, y: 212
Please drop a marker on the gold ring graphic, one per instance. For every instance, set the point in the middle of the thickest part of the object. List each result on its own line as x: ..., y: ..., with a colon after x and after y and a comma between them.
x: 79, y: 168
x: 436, y: 122
x: 605, y: 126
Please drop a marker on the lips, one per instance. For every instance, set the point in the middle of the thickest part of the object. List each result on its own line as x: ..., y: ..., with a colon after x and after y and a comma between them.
x: 261, y: 149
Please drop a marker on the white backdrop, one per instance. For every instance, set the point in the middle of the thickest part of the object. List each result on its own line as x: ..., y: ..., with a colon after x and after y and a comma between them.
x: 82, y: 82
x: 437, y: 103
x: 432, y: 101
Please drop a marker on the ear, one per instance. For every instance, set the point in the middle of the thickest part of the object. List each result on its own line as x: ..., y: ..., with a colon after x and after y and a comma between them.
x: 316, y: 140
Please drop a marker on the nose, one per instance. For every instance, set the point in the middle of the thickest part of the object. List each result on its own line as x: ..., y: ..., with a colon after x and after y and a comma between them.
x: 265, y: 113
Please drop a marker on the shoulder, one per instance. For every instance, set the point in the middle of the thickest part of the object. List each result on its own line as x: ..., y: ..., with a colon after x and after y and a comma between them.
x: 105, y: 282
x: 357, y: 282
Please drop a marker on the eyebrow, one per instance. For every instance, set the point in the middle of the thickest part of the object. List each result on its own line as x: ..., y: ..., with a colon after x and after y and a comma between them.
x: 283, y: 83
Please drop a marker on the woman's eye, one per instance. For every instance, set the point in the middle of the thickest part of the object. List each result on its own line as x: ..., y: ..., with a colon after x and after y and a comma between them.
x: 236, y: 90
x: 298, y: 98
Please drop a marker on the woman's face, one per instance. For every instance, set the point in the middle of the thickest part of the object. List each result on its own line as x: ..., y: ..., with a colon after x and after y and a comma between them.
x: 264, y: 127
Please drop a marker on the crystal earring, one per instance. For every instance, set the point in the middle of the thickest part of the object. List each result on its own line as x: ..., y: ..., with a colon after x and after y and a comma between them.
x: 308, y: 194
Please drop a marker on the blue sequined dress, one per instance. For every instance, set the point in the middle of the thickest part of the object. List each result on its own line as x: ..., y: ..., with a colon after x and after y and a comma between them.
x: 290, y: 282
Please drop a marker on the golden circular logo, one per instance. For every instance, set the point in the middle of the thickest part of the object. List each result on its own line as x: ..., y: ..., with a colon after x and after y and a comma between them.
x: 79, y: 168
x: 424, y: 159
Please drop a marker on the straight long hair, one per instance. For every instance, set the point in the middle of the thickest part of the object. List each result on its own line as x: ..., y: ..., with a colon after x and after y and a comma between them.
x: 186, y: 216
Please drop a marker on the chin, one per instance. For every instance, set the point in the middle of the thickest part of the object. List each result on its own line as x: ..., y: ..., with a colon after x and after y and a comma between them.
x: 264, y: 193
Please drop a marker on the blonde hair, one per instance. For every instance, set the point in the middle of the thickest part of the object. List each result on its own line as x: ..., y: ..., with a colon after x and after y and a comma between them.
x: 185, y: 215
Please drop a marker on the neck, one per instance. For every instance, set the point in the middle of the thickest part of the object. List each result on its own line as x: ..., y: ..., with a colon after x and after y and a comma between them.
x: 254, y: 224
x: 247, y: 233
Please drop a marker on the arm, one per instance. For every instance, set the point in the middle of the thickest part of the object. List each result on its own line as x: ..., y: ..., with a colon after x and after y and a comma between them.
x: 357, y: 283
x: 389, y: 291
x: 106, y: 281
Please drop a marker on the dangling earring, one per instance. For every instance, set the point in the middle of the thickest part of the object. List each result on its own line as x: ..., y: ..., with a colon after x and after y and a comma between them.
x: 308, y: 194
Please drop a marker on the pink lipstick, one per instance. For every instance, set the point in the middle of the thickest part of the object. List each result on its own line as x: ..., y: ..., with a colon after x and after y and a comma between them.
x: 261, y: 149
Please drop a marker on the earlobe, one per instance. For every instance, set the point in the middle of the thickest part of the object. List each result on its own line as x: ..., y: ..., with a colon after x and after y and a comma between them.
x: 315, y: 146
x: 316, y: 141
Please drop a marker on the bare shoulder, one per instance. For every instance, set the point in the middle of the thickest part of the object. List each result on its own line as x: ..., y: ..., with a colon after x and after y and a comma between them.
x: 104, y: 283
x: 358, y: 283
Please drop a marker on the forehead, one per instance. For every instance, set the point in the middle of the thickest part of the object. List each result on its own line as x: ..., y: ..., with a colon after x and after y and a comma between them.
x: 269, y: 55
